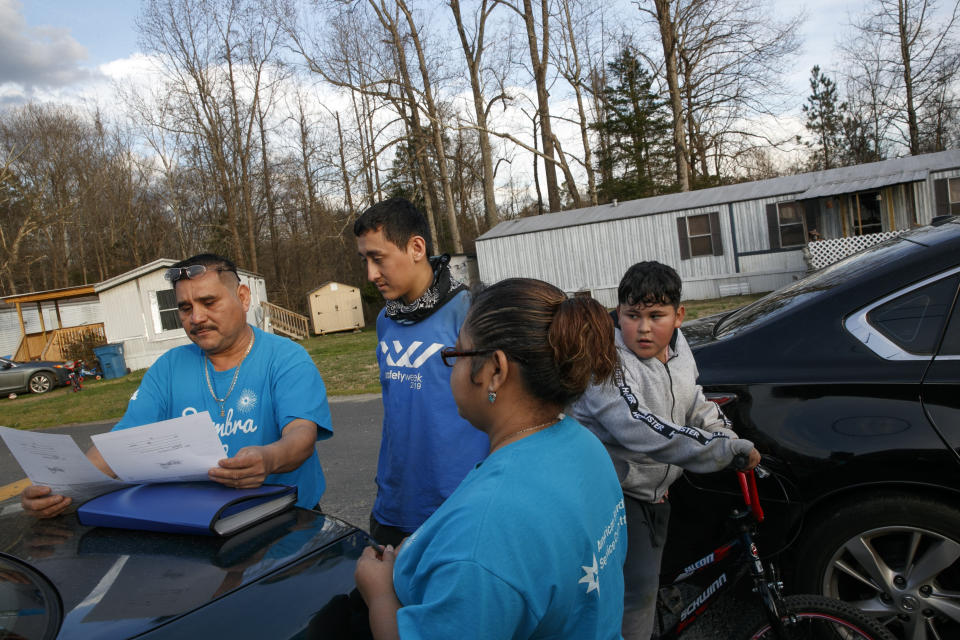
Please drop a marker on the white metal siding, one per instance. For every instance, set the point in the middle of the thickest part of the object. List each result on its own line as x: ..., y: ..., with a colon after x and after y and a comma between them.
x: 596, y: 256
x: 128, y: 317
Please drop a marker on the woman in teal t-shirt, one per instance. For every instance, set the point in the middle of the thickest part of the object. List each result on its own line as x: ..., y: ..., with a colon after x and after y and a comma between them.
x: 532, y: 542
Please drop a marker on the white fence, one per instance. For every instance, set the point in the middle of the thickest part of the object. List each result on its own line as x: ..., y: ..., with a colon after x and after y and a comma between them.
x: 826, y: 252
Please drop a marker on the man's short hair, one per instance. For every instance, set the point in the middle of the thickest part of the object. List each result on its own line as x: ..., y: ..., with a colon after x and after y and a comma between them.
x: 210, y: 261
x: 400, y: 221
x: 650, y: 283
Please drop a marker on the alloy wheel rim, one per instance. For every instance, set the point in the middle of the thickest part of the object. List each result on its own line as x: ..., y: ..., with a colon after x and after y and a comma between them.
x: 907, y: 577
x: 40, y: 384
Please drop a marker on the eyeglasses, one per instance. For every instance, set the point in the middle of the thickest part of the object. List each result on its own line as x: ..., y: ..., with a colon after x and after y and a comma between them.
x: 450, y: 354
x: 193, y: 271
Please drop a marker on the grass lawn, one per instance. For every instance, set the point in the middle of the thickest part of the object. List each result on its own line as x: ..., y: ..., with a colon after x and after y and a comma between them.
x: 346, y: 361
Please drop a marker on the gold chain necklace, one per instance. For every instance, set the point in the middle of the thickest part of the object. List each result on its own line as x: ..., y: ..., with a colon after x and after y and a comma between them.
x: 236, y: 374
x: 535, y: 427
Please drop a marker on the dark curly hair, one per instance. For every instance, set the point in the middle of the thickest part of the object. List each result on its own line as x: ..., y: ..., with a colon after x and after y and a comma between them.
x: 561, y: 344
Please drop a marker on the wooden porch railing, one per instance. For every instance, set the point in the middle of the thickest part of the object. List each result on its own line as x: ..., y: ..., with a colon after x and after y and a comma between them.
x: 63, y: 338
x: 285, y: 321
x: 53, y: 346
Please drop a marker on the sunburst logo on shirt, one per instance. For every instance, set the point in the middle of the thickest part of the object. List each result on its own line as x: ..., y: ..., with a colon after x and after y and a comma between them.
x: 247, y: 401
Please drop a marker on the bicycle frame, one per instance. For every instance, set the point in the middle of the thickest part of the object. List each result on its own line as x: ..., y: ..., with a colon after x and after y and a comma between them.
x: 727, y: 564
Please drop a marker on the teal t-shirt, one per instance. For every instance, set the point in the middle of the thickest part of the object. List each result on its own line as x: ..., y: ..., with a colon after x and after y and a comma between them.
x: 530, y: 545
x: 277, y: 383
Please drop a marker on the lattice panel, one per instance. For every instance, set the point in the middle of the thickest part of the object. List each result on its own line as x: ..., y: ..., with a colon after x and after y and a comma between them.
x: 826, y: 252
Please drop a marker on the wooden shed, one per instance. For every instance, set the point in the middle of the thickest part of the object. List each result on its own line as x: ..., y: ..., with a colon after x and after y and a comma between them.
x: 335, y: 306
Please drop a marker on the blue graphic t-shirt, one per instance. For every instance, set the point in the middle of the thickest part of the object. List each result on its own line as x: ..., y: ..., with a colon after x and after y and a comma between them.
x: 277, y: 383
x: 426, y: 447
x: 530, y: 545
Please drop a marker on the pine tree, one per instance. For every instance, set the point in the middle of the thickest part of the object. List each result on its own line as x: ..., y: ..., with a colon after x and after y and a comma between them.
x: 825, y: 121
x: 637, y: 161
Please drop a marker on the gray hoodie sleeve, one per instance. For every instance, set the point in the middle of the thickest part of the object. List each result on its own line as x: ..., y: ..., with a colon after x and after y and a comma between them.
x: 708, y: 416
x: 618, y: 417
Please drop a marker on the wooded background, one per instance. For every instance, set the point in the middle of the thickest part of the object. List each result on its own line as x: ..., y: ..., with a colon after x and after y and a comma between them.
x: 272, y: 123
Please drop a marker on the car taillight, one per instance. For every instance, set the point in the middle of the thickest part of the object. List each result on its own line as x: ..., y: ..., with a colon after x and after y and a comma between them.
x: 722, y: 399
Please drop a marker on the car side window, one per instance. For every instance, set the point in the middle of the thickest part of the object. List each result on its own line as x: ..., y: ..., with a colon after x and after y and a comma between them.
x: 915, y: 320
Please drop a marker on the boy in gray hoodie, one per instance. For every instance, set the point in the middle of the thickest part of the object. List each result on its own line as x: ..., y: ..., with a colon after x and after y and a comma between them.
x: 655, y: 422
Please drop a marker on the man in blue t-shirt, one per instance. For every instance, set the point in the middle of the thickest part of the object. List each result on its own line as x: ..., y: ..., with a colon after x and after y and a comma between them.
x: 426, y: 447
x: 263, y: 392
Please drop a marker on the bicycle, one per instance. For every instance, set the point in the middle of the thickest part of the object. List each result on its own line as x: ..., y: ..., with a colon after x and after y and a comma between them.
x: 75, y: 377
x: 796, y: 617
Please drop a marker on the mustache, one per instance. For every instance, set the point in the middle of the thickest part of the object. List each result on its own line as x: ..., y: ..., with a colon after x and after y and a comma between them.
x: 202, y: 327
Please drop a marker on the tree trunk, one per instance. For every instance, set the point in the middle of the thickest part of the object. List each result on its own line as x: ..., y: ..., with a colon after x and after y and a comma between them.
x: 576, y: 82
x: 912, y: 126
x: 668, y: 38
x: 474, y: 56
x: 437, y: 130
x: 538, y: 60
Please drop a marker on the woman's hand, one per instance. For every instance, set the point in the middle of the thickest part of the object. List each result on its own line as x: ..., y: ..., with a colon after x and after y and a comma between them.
x: 374, y: 578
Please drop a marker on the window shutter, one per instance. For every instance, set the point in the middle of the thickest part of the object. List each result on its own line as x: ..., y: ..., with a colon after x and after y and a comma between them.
x: 941, y: 197
x: 684, y: 241
x: 716, y: 240
x: 773, y: 226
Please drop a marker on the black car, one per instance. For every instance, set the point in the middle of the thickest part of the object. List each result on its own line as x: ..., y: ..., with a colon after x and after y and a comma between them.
x: 850, y: 380
x: 288, y: 577
x: 37, y: 376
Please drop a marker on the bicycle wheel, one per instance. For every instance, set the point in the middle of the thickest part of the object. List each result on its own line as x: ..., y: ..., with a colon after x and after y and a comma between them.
x: 810, y: 617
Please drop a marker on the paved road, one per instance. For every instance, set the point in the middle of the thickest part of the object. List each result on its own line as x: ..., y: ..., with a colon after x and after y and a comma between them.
x: 349, y: 462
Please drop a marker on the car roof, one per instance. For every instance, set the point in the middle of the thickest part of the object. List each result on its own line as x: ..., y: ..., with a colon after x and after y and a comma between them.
x: 120, y: 583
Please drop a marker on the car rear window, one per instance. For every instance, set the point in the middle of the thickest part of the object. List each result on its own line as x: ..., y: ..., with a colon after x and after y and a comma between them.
x: 914, y: 321
x: 783, y: 300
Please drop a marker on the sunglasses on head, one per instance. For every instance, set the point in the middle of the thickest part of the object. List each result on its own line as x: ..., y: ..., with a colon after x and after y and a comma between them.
x: 193, y: 271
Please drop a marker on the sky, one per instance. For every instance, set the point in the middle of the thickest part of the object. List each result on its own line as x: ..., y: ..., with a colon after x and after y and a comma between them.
x: 64, y: 50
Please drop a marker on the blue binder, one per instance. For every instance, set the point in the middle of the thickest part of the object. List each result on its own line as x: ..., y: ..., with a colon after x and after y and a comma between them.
x: 200, y: 508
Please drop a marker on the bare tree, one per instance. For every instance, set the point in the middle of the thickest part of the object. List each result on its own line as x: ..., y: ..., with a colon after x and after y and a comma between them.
x: 571, y: 67
x: 218, y: 56
x: 920, y: 57
x: 667, y: 21
x: 539, y: 50
x: 723, y: 63
x: 473, y: 50
x: 433, y: 112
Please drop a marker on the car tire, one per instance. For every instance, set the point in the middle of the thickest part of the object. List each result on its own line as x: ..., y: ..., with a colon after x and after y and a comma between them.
x: 41, y: 382
x: 897, y: 557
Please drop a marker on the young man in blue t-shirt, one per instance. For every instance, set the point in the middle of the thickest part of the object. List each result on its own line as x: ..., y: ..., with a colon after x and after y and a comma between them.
x: 426, y: 447
x: 263, y: 392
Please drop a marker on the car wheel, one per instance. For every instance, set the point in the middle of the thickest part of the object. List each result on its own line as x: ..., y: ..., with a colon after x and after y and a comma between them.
x: 895, y: 557
x: 41, y: 382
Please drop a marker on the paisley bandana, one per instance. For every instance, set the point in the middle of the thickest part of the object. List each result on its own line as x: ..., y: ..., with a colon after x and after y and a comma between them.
x: 437, y: 294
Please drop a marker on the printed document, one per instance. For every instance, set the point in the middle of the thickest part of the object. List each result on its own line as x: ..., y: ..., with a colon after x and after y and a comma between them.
x: 176, y: 450
x: 55, y: 460
x: 181, y: 449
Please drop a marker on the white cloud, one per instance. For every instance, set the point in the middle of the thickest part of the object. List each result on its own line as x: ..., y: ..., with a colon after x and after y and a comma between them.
x: 36, y: 58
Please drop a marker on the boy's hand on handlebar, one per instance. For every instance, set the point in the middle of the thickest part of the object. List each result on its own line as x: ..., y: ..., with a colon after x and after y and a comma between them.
x: 752, y: 460
x: 747, y: 462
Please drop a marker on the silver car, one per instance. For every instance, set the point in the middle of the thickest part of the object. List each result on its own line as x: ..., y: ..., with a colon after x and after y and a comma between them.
x: 36, y: 377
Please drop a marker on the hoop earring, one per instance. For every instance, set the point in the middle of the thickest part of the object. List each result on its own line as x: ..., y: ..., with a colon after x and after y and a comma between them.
x: 492, y: 397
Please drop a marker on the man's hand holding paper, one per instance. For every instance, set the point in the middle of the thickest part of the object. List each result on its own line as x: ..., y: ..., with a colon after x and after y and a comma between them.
x: 177, y: 450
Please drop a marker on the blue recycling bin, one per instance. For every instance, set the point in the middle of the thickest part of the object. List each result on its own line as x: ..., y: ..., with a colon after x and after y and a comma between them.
x: 111, y: 360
